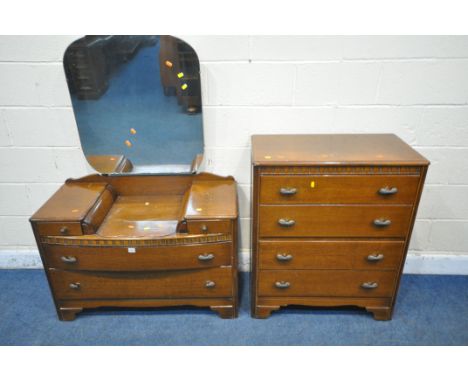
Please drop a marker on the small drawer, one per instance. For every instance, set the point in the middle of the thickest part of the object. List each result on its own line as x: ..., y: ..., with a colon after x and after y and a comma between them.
x: 308, y: 283
x: 330, y: 254
x: 71, y: 285
x: 60, y: 229
x: 138, y: 258
x: 331, y: 189
x: 196, y: 227
x: 334, y: 221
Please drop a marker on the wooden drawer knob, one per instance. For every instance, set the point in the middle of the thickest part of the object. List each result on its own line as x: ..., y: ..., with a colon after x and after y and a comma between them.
x: 64, y: 230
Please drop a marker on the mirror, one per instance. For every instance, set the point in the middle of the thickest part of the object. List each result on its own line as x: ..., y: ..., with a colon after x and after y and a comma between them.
x: 137, y: 103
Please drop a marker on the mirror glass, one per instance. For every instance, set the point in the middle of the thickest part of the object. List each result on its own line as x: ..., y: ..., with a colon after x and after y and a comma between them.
x: 137, y: 103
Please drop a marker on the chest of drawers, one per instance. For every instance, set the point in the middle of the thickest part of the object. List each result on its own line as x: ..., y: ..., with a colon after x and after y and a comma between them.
x: 332, y: 217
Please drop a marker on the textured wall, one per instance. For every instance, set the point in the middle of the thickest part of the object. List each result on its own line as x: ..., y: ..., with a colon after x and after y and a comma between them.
x: 415, y: 87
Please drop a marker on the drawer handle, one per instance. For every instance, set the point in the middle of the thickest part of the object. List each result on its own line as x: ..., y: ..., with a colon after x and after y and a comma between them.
x: 286, y: 222
x: 288, y: 191
x: 375, y: 257
x: 282, y: 284
x: 210, y: 284
x: 206, y: 257
x: 382, y: 222
x: 204, y: 228
x: 369, y: 285
x: 75, y: 286
x: 388, y: 191
x: 64, y: 230
x: 284, y: 257
x: 69, y: 259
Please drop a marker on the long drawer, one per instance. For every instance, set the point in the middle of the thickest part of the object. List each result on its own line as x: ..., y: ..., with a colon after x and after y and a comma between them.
x: 334, y: 221
x: 60, y: 229
x: 138, y: 258
x: 330, y: 254
x: 336, y: 189
x: 216, y: 282
x: 302, y: 283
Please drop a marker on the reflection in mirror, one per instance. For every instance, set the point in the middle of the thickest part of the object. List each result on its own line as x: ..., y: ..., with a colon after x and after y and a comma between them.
x: 137, y: 103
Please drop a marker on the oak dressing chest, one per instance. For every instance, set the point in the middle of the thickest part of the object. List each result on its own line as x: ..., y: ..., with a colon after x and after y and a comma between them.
x: 332, y: 220
x: 149, y: 230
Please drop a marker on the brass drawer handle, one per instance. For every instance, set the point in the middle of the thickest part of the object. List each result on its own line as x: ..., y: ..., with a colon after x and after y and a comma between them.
x: 369, y: 285
x: 282, y: 284
x: 284, y: 257
x: 64, y: 230
x: 382, y: 222
x: 69, y: 259
x: 210, y: 284
x: 286, y: 222
x: 75, y: 286
x: 288, y: 191
x: 388, y: 191
x: 206, y: 257
x: 375, y: 257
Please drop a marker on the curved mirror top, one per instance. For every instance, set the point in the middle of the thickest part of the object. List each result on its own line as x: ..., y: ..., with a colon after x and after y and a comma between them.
x: 137, y: 103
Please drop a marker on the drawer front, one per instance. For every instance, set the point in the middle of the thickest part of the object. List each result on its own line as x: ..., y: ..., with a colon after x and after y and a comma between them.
x: 138, y: 258
x: 99, y: 211
x: 335, y: 283
x: 196, y: 227
x: 216, y: 282
x: 338, y: 254
x: 334, y: 221
x: 60, y: 229
x: 331, y: 189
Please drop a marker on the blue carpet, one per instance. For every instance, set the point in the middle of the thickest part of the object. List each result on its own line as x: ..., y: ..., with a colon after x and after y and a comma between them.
x: 431, y: 310
x: 135, y: 99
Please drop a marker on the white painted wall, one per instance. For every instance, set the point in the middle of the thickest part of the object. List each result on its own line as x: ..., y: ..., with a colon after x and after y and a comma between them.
x: 416, y: 87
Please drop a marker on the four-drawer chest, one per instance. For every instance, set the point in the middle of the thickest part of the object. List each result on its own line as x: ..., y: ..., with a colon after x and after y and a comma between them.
x: 332, y: 220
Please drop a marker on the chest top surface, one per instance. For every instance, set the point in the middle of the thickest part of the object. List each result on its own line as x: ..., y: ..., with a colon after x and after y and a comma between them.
x: 334, y: 149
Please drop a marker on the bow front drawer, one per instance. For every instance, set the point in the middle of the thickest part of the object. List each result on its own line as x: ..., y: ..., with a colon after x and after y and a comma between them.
x: 336, y: 189
x: 138, y: 258
x: 334, y: 221
x: 70, y: 285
